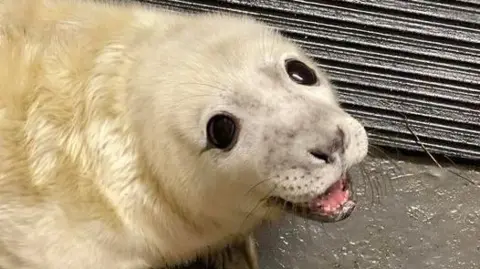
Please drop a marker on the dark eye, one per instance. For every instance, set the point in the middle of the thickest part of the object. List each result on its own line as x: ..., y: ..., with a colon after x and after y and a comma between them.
x: 300, y: 72
x: 222, y: 131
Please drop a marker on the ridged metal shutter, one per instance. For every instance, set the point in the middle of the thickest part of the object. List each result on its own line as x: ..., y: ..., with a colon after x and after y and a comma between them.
x: 419, y: 58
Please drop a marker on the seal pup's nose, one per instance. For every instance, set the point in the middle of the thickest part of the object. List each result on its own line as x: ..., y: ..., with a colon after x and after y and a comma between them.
x: 336, y: 147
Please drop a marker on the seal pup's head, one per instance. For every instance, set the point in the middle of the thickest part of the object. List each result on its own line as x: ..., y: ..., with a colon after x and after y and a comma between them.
x: 236, y: 121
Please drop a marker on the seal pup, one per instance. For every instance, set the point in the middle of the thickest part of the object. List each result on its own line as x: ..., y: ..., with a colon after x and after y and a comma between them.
x: 134, y: 137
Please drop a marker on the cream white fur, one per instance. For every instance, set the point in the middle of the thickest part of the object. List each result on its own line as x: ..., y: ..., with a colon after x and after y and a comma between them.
x: 103, y: 109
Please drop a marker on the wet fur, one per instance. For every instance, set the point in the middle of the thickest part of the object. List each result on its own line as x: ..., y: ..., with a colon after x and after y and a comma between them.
x: 102, y: 142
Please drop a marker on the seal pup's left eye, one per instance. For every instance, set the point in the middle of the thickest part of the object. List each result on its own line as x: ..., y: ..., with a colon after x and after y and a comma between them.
x: 222, y: 131
x: 300, y: 73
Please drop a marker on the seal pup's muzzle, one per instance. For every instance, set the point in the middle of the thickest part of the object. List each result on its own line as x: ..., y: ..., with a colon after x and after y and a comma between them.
x: 335, y: 204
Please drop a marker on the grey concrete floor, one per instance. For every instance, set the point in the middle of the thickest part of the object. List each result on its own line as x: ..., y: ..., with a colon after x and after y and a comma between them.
x: 411, y: 214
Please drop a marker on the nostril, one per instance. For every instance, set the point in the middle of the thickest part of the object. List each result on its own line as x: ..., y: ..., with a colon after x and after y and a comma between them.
x: 321, y: 155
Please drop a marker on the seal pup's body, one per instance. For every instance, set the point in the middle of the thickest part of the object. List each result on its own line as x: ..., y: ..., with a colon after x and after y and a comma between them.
x: 105, y: 156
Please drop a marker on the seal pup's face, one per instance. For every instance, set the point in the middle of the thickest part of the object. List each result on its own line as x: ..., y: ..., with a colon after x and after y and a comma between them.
x: 253, y: 124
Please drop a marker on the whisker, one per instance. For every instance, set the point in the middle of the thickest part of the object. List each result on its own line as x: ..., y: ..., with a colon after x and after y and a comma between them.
x: 204, y: 84
x: 272, y: 45
x: 353, y: 193
x: 418, y: 141
x: 362, y: 184
x: 389, y: 183
x: 382, y: 179
x: 378, y: 181
x: 471, y: 181
x: 284, y: 206
x: 256, y: 185
x: 264, y: 45
x: 366, y: 178
x: 294, y: 214
x: 376, y: 185
x: 258, y: 204
x: 275, y: 37
x: 386, y: 156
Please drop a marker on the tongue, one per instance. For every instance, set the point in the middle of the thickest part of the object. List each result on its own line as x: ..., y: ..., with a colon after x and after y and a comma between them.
x: 330, y: 202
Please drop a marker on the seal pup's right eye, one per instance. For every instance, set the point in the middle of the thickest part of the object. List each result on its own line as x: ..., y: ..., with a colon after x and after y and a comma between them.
x: 300, y: 73
x: 222, y: 131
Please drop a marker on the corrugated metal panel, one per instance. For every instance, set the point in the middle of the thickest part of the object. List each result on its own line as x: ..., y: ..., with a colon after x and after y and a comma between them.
x: 417, y: 57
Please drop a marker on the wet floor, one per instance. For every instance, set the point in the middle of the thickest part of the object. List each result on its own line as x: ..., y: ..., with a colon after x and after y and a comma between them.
x: 410, y: 215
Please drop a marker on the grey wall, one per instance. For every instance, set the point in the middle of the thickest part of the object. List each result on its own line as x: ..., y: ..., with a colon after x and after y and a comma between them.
x: 420, y: 58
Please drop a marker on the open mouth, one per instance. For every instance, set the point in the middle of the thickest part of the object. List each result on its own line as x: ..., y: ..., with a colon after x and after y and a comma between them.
x: 334, y: 205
